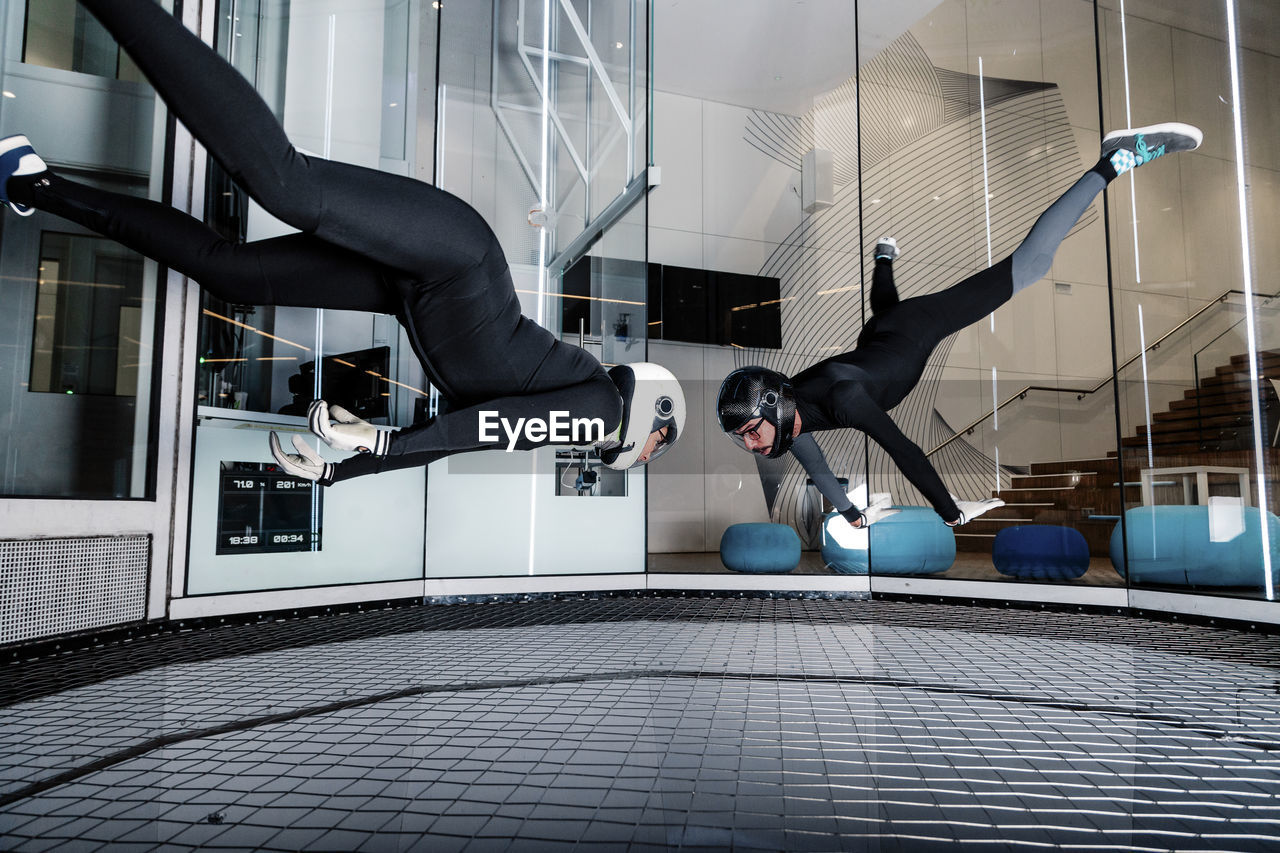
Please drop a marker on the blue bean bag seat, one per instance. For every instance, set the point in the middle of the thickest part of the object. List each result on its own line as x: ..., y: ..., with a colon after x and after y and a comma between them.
x: 1172, y: 545
x: 760, y: 548
x: 1041, y: 552
x: 915, y: 541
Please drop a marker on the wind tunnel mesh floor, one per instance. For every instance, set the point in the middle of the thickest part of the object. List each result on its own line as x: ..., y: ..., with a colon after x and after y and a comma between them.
x: 651, y: 723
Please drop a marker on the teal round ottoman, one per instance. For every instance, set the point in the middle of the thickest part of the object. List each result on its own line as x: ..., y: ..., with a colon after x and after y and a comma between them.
x: 1041, y: 552
x: 1172, y: 545
x: 914, y: 541
x: 760, y: 548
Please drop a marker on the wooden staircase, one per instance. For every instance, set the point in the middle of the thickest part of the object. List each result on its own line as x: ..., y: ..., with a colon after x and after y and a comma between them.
x: 1211, y: 425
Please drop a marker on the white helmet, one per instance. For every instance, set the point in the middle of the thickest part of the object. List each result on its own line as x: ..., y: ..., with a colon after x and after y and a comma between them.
x: 651, y: 400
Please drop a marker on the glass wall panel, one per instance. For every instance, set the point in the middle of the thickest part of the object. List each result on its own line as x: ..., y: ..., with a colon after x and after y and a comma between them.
x: 538, y: 132
x: 340, y: 76
x: 80, y: 311
x: 312, y: 65
x: 1121, y: 405
x: 950, y: 128
x: 1193, y: 296
x: 1016, y: 406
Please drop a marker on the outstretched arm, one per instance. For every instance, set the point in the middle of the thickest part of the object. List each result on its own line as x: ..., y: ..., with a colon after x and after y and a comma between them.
x: 857, y: 410
x: 809, y: 455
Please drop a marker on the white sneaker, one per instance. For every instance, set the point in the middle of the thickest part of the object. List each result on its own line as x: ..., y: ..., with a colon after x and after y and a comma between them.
x: 887, y: 248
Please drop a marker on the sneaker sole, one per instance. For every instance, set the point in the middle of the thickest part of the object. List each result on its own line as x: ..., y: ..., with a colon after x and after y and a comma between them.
x: 1173, y: 136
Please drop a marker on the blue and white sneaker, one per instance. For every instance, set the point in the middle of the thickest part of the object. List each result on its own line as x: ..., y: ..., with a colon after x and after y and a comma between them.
x: 1128, y: 149
x: 887, y: 248
x: 18, y: 158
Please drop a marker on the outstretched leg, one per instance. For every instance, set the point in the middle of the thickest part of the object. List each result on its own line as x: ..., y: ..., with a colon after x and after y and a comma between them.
x: 299, y: 270
x: 391, y: 219
x: 459, y: 431
x: 941, y: 314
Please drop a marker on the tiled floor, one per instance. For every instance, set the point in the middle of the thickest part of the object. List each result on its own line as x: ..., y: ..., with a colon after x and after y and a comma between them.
x: 647, y: 723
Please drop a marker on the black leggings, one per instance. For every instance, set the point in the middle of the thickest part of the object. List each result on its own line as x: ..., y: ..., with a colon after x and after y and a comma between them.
x: 896, y: 342
x: 371, y: 242
x: 399, y: 222
x: 931, y: 318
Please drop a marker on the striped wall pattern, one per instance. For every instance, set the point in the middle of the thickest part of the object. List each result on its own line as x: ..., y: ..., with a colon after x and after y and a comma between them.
x: 922, y: 183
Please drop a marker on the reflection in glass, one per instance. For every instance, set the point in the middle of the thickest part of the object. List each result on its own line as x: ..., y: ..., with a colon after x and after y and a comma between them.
x: 1196, y: 422
x: 88, y: 317
x: 338, y: 80
x: 62, y: 34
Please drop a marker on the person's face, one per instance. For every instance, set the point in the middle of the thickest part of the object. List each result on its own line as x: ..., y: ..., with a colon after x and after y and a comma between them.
x: 656, y: 439
x: 758, y: 436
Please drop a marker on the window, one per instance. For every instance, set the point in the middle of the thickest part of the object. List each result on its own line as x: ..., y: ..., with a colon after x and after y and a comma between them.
x: 88, y: 317
x: 61, y: 34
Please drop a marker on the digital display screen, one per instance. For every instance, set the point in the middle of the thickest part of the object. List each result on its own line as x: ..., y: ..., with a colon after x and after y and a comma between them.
x: 262, y: 510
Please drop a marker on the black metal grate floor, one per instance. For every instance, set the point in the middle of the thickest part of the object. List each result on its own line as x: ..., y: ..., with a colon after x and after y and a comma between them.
x: 651, y: 723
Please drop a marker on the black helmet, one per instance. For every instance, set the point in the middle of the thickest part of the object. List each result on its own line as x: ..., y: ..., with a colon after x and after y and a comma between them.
x: 751, y: 393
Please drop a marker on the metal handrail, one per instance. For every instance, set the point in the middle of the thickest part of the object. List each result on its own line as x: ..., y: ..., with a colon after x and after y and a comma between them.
x: 1081, y: 393
x: 1196, y: 358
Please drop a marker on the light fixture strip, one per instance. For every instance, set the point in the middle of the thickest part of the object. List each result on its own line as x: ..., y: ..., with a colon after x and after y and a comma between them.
x: 1246, y: 263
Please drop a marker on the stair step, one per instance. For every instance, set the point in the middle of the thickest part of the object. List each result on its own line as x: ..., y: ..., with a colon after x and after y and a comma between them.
x: 1058, y: 481
x: 1266, y: 358
x: 1070, y: 466
x: 1162, y: 441
x: 1238, y: 377
x: 1239, y: 400
x: 1243, y: 358
x: 1165, y: 452
x: 1173, y: 422
x: 1192, y: 425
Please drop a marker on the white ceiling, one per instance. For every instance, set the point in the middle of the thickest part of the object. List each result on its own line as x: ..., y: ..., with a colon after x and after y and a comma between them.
x: 774, y: 55
x: 777, y: 55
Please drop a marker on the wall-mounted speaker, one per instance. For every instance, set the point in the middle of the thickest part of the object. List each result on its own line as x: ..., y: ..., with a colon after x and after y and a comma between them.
x: 817, y: 181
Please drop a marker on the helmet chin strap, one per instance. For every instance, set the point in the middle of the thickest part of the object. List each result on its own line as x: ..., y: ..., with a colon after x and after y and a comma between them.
x: 782, y: 434
x: 778, y: 440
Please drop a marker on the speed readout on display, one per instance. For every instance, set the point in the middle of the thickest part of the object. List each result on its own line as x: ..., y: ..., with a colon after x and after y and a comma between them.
x: 263, y: 510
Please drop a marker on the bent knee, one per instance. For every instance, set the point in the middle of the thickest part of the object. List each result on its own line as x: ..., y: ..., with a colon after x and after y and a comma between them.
x: 1028, y: 268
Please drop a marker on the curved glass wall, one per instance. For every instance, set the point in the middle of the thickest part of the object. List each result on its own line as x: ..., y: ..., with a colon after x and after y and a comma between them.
x: 1190, y: 266
x: 1123, y: 407
x: 536, y: 114
x: 544, y: 129
x: 719, y: 213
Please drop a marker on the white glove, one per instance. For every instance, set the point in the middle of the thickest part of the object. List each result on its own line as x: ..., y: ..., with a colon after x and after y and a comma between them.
x: 845, y: 534
x: 341, y: 430
x: 878, y: 509
x: 306, y: 463
x: 875, y: 509
x: 969, y: 510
